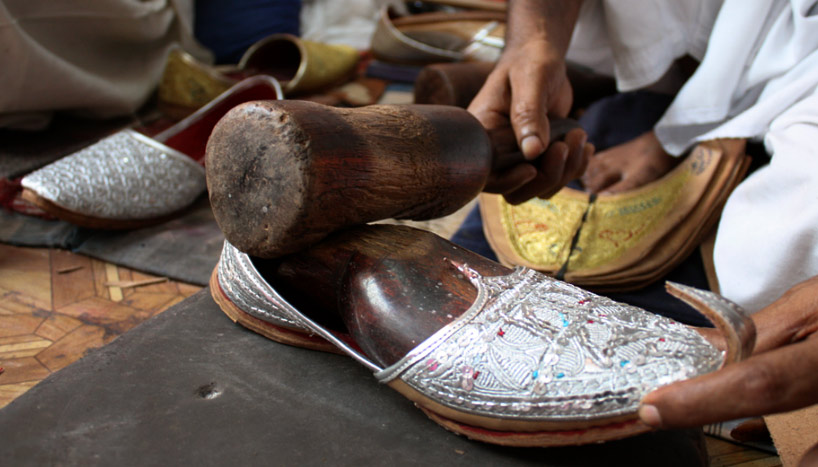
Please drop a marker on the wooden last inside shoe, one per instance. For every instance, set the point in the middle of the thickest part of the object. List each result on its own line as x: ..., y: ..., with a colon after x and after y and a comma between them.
x: 504, y: 356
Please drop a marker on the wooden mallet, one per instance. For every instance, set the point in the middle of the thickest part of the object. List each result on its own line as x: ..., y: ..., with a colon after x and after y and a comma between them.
x: 282, y: 175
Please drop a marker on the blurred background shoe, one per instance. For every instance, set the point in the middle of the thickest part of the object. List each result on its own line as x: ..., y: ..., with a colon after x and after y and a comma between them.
x: 129, y: 180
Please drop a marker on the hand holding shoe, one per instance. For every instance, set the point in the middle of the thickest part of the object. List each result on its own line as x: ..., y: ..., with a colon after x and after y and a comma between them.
x: 782, y: 375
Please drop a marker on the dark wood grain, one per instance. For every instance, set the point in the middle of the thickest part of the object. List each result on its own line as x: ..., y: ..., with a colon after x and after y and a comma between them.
x: 284, y: 174
x: 458, y: 83
x: 450, y: 83
x: 392, y: 286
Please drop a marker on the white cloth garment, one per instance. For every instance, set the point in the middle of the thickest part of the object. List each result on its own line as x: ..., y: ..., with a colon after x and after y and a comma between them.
x: 768, y: 235
x: 758, y: 79
x: 101, y: 59
x: 637, y: 42
x: 350, y: 22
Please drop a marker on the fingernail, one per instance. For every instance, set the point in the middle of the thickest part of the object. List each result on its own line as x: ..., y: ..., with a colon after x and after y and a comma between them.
x: 531, y: 147
x: 650, y: 415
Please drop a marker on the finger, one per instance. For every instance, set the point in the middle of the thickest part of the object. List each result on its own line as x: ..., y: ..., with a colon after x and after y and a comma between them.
x: 510, y: 180
x: 624, y: 184
x: 587, y: 153
x: 576, y: 140
x: 636, y: 177
x: 564, y: 100
x: 810, y: 457
x: 503, y: 139
x: 549, y: 174
x: 780, y: 380
x: 788, y: 319
x: 714, y: 336
x: 490, y: 104
x: 599, y: 175
x: 528, y: 112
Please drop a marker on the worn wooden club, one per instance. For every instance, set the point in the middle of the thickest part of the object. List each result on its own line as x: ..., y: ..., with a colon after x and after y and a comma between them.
x: 282, y: 175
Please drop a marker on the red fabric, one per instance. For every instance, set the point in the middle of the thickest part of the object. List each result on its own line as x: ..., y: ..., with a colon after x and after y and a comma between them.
x: 193, y: 139
x: 10, y: 200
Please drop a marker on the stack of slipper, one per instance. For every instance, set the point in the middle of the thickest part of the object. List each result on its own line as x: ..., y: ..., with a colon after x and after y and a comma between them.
x: 436, y: 37
x: 619, y: 241
x: 301, y: 66
x: 608, y: 242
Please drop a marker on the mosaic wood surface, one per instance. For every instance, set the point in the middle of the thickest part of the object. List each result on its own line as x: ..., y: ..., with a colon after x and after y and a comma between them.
x: 55, y: 306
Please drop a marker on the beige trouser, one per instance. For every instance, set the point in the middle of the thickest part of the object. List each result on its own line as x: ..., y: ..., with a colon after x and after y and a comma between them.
x: 101, y: 59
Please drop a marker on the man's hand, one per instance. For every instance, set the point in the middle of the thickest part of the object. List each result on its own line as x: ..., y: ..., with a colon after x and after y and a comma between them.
x: 562, y: 162
x: 528, y: 85
x: 628, y: 165
x: 782, y: 374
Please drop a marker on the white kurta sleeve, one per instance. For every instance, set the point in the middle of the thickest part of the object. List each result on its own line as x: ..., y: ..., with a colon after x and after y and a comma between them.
x: 639, y: 48
x: 761, y: 59
x: 767, y: 239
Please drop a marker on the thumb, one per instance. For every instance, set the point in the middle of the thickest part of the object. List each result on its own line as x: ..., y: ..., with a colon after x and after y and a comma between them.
x: 528, y: 115
x: 561, y: 106
x: 775, y: 381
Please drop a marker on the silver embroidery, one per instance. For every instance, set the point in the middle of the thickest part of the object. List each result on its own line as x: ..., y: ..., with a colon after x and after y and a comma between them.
x: 529, y: 348
x: 126, y: 176
x: 541, y: 348
x: 242, y: 284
